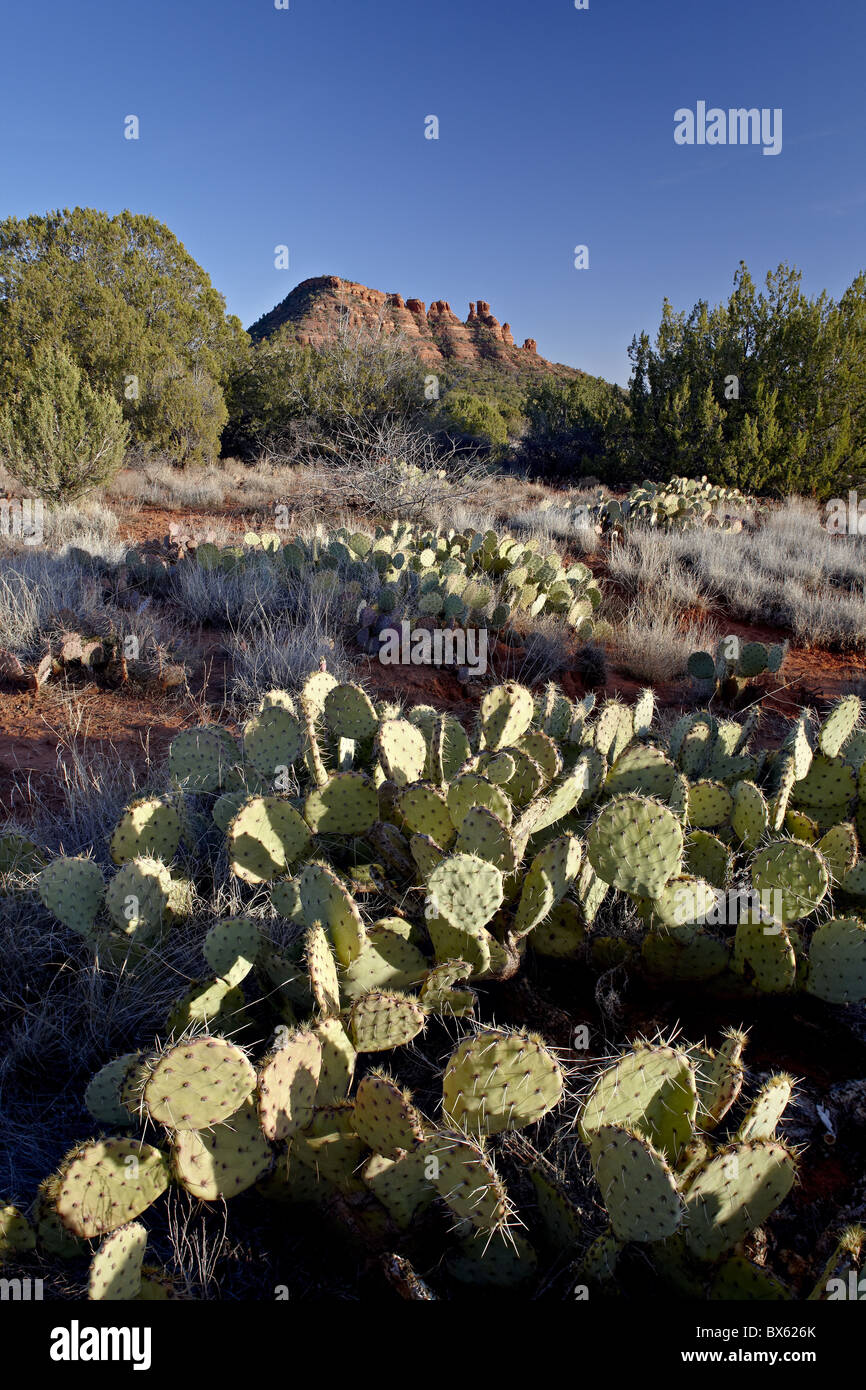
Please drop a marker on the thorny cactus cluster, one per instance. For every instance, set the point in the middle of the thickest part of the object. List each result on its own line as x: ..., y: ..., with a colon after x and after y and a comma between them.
x: 744, y: 873
x: 734, y: 665
x: 439, y: 578
x: 680, y: 504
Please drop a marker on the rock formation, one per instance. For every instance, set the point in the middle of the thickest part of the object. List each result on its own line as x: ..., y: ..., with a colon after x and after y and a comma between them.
x: 316, y: 309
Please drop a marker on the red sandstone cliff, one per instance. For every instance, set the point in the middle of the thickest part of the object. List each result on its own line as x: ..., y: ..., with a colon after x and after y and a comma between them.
x: 315, y: 308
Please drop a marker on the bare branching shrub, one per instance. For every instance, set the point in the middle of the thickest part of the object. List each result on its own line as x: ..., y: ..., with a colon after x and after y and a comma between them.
x: 394, y: 468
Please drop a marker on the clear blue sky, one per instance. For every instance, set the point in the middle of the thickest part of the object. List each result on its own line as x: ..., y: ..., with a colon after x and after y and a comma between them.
x: 306, y: 127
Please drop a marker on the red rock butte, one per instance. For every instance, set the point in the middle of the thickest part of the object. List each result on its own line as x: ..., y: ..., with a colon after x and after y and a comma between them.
x: 316, y: 308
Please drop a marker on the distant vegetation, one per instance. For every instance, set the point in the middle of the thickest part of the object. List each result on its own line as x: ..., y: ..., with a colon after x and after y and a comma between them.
x: 113, y: 321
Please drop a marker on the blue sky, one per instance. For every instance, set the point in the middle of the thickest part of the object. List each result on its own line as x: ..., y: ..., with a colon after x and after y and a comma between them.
x: 305, y: 127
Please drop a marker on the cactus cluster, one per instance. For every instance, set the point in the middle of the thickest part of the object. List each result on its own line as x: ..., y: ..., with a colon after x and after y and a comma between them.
x: 744, y: 865
x: 734, y: 666
x: 680, y: 504
x: 678, y: 1179
x: 408, y: 863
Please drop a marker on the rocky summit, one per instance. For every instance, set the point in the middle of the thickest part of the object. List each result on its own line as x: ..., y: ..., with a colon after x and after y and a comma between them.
x: 315, y: 309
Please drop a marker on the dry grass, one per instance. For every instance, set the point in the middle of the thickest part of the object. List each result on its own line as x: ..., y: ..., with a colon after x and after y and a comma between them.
x: 652, y: 643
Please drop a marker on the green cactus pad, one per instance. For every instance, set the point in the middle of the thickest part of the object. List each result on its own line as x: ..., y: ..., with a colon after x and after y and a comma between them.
x: 322, y: 970
x: 710, y: 805
x: 384, y: 1019
x: 347, y: 804
x: 201, y: 759
x: 465, y: 890
x: 839, y: 725
x: 562, y: 933
x: 325, y: 900
x: 449, y: 748
x: 388, y: 961
x: 402, y: 1185
x: 636, y: 845
x: 198, y: 1083
x: 288, y: 1080
x: 839, y: 848
x: 222, y: 1161
x: 837, y: 961
x: 764, y: 954
x: 642, y: 768
x: 338, y: 1061
x: 684, y: 900
x: 226, y: 807
x: 702, y: 666
x: 115, y: 1270
x: 273, y: 740
x: 739, y: 1280
x: 797, y: 872
x: 265, y: 838
x: 473, y: 790
x: 103, y: 1095
x: 207, y: 1002
x: 150, y: 827
x: 684, y: 954
x: 734, y: 1193
x: 138, y: 898
x: 707, y: 857
x: 766, y: 1110
x: 541, y: 748
x: 830, y: 784
x: 232, y: 947
x: 402, y: 751
x: 16, y: 1233
x: 652, y: 1090
x: 73, y: 889
x: 720, y: 1078
x: 385, y: 1118
x: 637, y: 1186
x: 330, y: 1146
x: 426, y: 854
x: 497, y: 1081
x: 483, y: 834
x: 425, y: 812
x: 438, y: 994
x: 505, y: 716
x: 468, y: 1183
x: 316, y: 689
x: 749, y: 816
x: 350, y: 713
x: 551, y: 875
x: 103, y: 1185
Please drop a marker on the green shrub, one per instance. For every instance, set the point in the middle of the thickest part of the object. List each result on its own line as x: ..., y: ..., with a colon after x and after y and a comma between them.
x: 57, y: 435
x: 476, y: 417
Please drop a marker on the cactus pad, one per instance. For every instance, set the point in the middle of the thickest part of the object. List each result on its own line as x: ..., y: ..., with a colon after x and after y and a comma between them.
x: 115, y: 1270
x: 198, y: 1083
x: 637, y: 1185
x: 106, y: 1184
x: 224, y: 1160
x: 73, y: 889
x: 465, y: 890
x: 497, y: 1081
x: 265, y: 838
x: 384, y: 1019
x: 636, y: 845
x: 347, y: 804
x: 150, y: 827
x: 734, y: 1193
